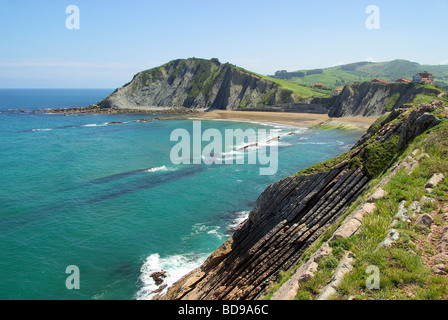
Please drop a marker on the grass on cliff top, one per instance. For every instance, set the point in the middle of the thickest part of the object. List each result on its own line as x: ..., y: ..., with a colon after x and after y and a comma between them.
x: 329, y: 125
x: 429, y: 97
x: 403, y: 271
x: 303, y: 91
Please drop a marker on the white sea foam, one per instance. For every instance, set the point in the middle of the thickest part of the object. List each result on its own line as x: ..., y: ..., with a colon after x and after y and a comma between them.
x: 239, y: 218
x: 301, y: 130
x: 42, y: 129
x: 155, y: 169
x: 221, y: 157
x: 202, y: 228
x: 95, y: 125
x: 175, y: 266
x: 215, y: 232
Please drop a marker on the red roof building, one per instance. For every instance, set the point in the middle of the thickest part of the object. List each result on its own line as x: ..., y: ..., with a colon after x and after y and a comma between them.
x: 379, y: 81
x: 423, y: 77
x: 403, y: 80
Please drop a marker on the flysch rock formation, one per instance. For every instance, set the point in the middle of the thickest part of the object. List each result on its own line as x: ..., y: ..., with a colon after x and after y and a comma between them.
x: 373, y: 99
x: 196, y: 84
x: 289, y: 216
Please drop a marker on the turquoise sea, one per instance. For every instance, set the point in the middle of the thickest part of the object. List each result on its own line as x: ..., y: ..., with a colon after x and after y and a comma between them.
x: 76, y: 190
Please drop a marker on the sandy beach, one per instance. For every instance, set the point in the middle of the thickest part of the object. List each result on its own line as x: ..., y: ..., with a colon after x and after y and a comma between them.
x: 294, y: 119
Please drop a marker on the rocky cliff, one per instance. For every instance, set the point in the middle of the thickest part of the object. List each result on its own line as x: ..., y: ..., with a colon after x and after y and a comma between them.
x: 197, y: 84
x: 292, y: 213
x: 374, y: 99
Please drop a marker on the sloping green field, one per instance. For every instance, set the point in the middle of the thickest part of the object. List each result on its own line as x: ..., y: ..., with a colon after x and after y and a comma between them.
x: 366, y: 71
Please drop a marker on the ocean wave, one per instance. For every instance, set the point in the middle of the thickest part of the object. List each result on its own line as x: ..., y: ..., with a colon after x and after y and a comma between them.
x: 221, y: 157
x: 301, y: 130
x: 215, y: 232
x: 41, y: 129
x: 173, y: 267
x: 239, y: 151
x: 220, y: 228
x: 237, y: 220
x: 128, y: 173
x: 95, y: 124
x: 155, y: 169
x: 202, y: 228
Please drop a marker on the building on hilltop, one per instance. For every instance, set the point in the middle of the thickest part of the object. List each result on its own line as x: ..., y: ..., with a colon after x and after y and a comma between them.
x: 403, y: 80
x: 380, y: 81
x: 423, y: 77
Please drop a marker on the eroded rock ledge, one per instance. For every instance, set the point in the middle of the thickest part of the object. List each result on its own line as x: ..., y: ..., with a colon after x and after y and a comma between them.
x: 288, y: 217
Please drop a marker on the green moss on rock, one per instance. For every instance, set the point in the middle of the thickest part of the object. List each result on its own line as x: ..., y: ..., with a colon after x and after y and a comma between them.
x: 378, y: 156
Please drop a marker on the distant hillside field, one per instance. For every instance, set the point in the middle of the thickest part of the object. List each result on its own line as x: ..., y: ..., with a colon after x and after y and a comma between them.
x: 339, y: 76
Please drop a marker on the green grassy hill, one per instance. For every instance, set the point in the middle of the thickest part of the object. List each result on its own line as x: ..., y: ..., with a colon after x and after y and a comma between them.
x: 366, y: 71
x: 304, y: 91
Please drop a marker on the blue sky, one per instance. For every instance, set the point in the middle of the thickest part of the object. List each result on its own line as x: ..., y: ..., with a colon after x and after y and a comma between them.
x: 117, y: 39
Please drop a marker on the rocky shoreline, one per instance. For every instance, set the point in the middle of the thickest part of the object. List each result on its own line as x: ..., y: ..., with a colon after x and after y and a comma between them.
x: 294, y: 119
x: 95, y: 109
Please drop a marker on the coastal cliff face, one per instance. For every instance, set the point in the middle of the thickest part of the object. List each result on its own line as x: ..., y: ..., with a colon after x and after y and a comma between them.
x: 373, y: 99
x: 291, y: 214
x: 197, y: 84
